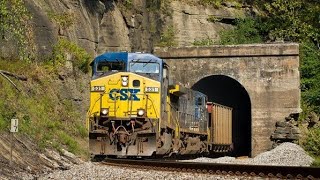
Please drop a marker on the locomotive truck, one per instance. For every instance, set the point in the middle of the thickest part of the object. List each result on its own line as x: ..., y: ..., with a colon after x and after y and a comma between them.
x: 136, y: 111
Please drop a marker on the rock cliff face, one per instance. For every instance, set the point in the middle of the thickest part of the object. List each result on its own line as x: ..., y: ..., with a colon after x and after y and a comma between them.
x: 107, y: 25
x: 198, y: 22
x: 96, y: 26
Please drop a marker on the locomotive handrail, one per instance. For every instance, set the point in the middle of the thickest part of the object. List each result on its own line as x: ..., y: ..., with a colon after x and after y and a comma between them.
x: 155, y: 111
x: 120, y: 126
x: 90, y: 110
x: 175, y: 118
x: 114, y: 83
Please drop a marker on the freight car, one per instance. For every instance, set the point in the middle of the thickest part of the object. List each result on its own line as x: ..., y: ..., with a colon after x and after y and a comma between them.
x: 136, y: 111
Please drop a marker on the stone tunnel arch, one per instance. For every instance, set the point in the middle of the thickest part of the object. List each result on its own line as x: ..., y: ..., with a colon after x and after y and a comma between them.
x: 269, y: 73
x: 228, y: 91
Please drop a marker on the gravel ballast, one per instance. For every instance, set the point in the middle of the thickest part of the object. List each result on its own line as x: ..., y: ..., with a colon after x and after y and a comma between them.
x: 286, y: 154
x: 91, y: 170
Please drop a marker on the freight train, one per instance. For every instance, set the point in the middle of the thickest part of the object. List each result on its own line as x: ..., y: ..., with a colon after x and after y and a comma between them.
x: 137, y: 111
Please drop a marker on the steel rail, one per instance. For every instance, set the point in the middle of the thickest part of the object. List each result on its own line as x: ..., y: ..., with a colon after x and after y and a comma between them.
x: 289, y: 172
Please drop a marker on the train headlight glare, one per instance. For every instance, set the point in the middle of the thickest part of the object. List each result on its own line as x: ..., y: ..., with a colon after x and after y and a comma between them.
x: 140, y: 112
x: 104, y: 111
x: 124, y: 83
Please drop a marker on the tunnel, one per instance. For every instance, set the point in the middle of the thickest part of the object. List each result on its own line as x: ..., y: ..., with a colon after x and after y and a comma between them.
x: 229, y: 92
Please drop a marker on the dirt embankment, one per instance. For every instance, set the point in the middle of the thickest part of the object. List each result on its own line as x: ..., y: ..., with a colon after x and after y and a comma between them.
x: 51, y: 107
x: 28, y: 161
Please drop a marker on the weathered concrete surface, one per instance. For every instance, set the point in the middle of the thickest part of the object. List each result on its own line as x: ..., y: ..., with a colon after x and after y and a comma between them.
x: 268, y: 72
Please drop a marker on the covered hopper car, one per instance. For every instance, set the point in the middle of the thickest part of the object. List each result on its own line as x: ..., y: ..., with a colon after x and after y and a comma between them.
x: 135, y: 111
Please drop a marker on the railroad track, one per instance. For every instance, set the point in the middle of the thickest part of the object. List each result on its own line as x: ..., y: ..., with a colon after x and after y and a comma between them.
x: 283, y: 172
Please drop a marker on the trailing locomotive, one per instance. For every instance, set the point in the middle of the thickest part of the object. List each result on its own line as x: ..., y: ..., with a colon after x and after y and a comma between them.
x: 136, y: 111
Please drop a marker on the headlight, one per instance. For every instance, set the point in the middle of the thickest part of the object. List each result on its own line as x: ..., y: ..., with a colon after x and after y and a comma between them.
x: 140, y: 112
x: 104, y: 111
x: 124, y: 80
x: 124, y: 83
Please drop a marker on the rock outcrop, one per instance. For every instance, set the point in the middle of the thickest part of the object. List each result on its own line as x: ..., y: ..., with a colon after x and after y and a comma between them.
x: 99, y: 25
x: 286, y: 130
x: 26, y: 159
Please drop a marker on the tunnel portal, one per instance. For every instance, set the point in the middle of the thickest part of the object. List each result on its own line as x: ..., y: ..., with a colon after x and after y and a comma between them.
x: 229, y: 92
x: 260, y: 81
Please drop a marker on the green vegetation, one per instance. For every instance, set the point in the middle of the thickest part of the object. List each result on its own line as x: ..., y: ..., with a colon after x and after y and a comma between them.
x: 213, y: 19
x: 15, y: 26
x: 203, y: 42
x: 316, y: 162
x: 245, y: 32
x: 214, y: 3
x: 64, y: 20
x: 159, y: 6
x: 127, y: 3
x: 51, y: 120
x: 167, y: 38
x: 310, y: 70
x: 218, y: 3
x: 298, y: 21
x: 312, y: 142
x: 65, y: 49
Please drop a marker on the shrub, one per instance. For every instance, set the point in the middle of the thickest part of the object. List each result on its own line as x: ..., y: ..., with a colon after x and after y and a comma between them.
x: 64, y: 20
x: 80, y: 58
x: 245, y: 32
x: 213, y: 19
x: 316, y: 162
x: 312, y: 142
x: 203, y: 42
x: 167, y: 38
x: 81, y: 130
x: 214, y: 3
x: 15, y: 26
x: 69, y: 142
x: 310, y: 73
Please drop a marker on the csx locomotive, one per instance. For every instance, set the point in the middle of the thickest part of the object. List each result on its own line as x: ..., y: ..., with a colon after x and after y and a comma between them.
x: 136, y: 111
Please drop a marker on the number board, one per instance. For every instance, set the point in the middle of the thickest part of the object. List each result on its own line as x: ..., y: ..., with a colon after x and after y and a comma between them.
x: 14, y: 125
x: 152, y: 89
x: 98, y: 88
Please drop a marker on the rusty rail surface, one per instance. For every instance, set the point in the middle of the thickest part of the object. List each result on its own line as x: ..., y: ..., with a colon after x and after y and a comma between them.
x: 289, y: 172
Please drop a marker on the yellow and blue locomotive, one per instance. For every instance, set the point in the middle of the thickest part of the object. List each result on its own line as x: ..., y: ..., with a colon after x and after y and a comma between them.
x: 135, y: 110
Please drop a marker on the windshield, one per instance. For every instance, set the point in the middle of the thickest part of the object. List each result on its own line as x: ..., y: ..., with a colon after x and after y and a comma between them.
x: 106, y: 66
x: 145, y: 67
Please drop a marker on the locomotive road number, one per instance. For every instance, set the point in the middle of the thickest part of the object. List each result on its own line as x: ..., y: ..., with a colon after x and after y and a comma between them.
x: 152, y: 89
x: 98, y: 88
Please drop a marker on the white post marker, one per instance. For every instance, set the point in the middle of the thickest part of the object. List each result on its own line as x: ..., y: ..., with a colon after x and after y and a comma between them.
x: 13, y: 129
x: 14, y: 125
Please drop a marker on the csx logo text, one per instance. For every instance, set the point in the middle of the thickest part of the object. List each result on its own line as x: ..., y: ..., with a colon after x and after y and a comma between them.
x: 124, y: 94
